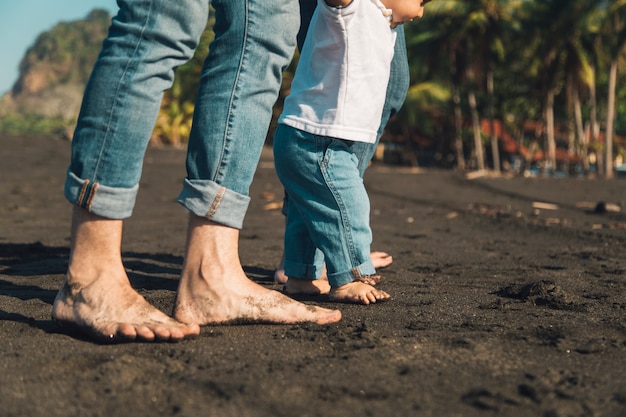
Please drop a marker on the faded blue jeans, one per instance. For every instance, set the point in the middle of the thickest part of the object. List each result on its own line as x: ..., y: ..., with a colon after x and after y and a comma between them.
x: 328, y: 210
x: 148, y: 39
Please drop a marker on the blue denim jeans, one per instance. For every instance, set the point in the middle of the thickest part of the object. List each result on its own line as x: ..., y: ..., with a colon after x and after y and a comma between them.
x: 148, y: 39
x: 328, y: 209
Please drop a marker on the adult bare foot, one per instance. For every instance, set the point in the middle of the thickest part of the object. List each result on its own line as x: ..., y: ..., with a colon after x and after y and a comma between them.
x: 215, y: 290
x: 115, y: 312
x: 357, y: 292
x: 296, y: 286
x: 97, y: 298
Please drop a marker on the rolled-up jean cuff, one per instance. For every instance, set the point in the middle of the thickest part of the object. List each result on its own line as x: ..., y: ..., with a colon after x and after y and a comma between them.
x: 297, y: 270
x: 207, y: 199
x: 101, y: 200
x: 341, y: 278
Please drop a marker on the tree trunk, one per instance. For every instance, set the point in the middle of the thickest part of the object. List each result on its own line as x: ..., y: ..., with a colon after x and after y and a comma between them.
x: 458, y: 121
x: 478, y: 143
x: 458, y: 114
x: 610, y: 120
x: 550, y: 130
x: 582, y: 148
x: 495, y: 151
x: 595, y: 126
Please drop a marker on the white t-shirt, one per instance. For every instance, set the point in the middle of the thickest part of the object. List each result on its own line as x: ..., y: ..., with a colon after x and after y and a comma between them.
x: 341, y: 80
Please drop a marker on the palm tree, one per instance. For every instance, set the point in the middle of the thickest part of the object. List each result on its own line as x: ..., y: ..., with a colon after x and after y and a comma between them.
x: 592, y: 43
x: 614, y: 36
x: 459, y: 46
x: 491, y: 20
x: 562, y: 61
x: 450, y: 34
x: 579, y: 72
x: 476, y: 39
x: 433, y: 50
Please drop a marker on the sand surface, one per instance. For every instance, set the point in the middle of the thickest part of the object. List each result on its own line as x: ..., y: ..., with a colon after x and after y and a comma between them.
x: 498, y: 308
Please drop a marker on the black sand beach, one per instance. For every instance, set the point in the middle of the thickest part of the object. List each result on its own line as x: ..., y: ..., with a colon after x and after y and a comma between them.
x: 497, y: 309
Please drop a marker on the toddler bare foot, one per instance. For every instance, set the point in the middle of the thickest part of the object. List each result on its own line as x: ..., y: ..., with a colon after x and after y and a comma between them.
x: 307, y: 286
x: 381, y: 259
x: 279, y: 275
x: 357, y: 292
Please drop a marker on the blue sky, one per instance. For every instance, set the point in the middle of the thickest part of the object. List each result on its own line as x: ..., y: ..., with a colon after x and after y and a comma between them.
x: 21, y: 21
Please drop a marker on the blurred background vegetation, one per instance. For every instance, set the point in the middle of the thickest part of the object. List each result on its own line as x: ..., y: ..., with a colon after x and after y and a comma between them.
x: 533, y: 87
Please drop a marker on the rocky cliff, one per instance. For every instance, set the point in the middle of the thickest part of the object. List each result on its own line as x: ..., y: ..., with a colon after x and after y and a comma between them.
x: 55, y: 69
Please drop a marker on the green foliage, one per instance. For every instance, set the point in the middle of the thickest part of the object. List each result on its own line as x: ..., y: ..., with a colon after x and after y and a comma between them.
x: 532, y: 47
x: 19, y: 124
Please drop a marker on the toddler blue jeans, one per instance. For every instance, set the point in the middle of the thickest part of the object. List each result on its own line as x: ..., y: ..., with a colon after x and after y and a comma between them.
x: 328, y: 211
